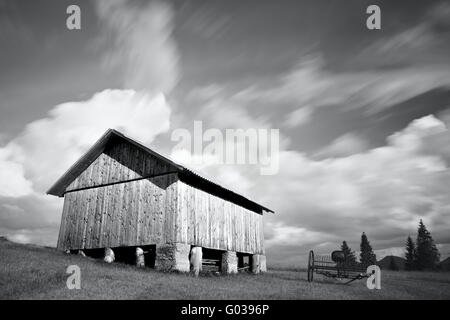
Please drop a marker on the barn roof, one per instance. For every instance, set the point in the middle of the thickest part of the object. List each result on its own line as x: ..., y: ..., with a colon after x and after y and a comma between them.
x: 186, y: 175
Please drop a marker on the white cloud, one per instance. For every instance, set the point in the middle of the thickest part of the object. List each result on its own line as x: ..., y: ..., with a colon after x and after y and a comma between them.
x: 444, y: 250
x: 298, y: 117
x: 342, y: 146
x: 12, y: 180
x: 424, y: 36
x: 48, y: 147
x: 393, y: 251
x: 212, y: 167
x: 293, y: 236
x: 310, y: 83
x: 45, y: 236
x: 28, y: 212
x: 205, y: 93
x: 206, y: 23
x: 412, y: 137
x: 383, y: 191
x: 225, y: 113
x: 143, y: 43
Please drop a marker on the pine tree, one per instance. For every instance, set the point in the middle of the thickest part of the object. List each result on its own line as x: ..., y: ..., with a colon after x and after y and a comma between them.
x: 427, y: 255
x: 367, y: 257
x: 410, y: 254
x: 348, y: 253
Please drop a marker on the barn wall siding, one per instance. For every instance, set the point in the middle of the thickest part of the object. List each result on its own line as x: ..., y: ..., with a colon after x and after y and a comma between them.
x: 127, y: 214
x: 154, y: 211
x: 208, y: 221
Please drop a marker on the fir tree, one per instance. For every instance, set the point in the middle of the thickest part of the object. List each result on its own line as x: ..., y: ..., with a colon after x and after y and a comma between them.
x: 367, y: 257
x: 348, y: 253
x: 427, y: 255
x: 410, y: 254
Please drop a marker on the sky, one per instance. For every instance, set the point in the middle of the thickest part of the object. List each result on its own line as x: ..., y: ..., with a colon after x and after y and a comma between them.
x: 363, y: 115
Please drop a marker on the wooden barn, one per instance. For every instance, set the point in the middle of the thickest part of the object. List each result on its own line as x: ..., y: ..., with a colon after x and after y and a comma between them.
x: 121, y: 195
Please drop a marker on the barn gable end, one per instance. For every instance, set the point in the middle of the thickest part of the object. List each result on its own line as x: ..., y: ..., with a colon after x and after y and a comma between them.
x: 112, y: 204
x: 120, y: 162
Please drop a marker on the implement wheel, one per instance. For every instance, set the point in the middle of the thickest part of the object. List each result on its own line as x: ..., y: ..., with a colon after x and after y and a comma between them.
x: 311, y: 266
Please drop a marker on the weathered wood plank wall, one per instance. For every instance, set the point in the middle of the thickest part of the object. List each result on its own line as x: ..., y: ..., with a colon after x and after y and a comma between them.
x: 126, y: 214
x: 205, y: 220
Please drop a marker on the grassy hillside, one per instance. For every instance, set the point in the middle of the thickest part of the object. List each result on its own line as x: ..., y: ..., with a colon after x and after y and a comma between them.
x: 31, y: 272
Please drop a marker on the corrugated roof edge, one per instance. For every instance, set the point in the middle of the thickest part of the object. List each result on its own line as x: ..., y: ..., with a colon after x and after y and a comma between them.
x: 186, y: 174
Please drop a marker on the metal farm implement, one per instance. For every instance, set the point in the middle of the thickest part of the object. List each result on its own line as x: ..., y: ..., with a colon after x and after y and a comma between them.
x: 335, y: 266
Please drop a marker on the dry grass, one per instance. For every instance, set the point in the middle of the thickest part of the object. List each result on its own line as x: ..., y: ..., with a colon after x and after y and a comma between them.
x: 29, y: 272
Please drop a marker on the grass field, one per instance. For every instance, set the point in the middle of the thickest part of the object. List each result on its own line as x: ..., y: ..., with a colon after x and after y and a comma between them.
x: 31, y: 272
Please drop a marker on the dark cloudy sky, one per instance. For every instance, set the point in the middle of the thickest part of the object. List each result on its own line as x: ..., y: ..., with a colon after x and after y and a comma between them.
x: 363, y: 114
